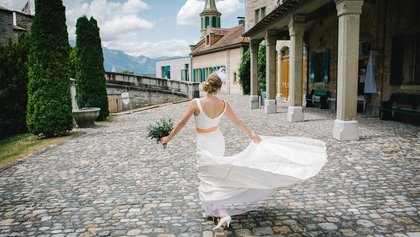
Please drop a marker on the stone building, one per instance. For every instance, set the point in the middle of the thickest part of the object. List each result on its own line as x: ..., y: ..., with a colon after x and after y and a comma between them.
x: 341, y: 37
x: 174, y: 68
x: 218, y: 48
x: 12, y: 24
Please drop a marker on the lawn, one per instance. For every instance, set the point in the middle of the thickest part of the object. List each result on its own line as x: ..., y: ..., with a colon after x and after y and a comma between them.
x: 16, y: 147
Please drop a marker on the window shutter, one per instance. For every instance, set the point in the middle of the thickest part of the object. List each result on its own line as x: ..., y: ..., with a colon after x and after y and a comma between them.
x: 312, y: 60
x: 326, y: 66
x: 397, y: 60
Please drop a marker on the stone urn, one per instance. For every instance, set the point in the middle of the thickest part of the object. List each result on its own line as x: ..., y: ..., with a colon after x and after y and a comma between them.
x: 85, y: 117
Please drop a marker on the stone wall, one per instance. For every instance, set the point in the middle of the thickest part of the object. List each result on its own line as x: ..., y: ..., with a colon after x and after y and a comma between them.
x: 10, y: 32
x: 146, y: 91
x: 379, y: 22
x: 252, y: 5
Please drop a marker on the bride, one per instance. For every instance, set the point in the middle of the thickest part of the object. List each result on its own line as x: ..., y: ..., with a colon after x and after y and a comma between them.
x: 231, y: 185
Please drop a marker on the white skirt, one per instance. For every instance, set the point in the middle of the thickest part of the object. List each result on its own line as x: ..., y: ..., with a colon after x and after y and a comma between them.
x: 233, y: 184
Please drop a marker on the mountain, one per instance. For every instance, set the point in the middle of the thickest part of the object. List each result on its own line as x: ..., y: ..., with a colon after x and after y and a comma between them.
x: 119, y: 61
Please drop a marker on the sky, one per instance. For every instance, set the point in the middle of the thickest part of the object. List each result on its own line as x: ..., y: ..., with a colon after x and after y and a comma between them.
x: 153, y: 28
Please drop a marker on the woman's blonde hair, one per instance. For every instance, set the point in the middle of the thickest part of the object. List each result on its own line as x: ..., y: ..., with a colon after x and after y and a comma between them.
x: 212, y: 84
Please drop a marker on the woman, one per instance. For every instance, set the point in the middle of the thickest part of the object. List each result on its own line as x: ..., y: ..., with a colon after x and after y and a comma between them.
x: 231, y: 185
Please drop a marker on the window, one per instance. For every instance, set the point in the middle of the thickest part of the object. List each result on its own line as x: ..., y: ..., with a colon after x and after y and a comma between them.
x: 214, y: 22
x: 405, y: 65
x: 259, y: 14
x: 262, y: 12
x: 206, y: 22
x: 166, y: 72
x: 319, y: 66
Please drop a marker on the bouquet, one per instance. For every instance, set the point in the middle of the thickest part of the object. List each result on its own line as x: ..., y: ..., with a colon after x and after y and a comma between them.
x: 160, y: 129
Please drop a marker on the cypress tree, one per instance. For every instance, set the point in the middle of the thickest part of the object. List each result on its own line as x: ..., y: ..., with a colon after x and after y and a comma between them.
x: 49, y: 111
x: 90, y: 73
x: 13, y: 86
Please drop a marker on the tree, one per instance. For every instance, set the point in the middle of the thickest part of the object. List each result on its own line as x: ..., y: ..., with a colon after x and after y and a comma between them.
x: 90, y: 73
x: 262, y: 67
x: 13, y: 86
x: 49, y: 111
x: 126, y: 71
x: 245, y: 72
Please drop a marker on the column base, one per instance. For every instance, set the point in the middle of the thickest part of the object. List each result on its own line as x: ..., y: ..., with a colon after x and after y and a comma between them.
x: 295, y: 114
x: 253, y: 99
x: 278, y: 97
x: 270, y: 106
x: 346, y: 130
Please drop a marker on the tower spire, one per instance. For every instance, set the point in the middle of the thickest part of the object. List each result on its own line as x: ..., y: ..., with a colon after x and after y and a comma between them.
x: 210, y: 17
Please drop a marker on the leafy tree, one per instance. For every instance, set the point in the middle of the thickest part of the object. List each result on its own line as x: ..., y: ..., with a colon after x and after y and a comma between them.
x: 245, y: 72
x: 13, y: 86
x: 126, y: 71
x: 90, y: 73
x: 49, y: 111
x: 262, y: 67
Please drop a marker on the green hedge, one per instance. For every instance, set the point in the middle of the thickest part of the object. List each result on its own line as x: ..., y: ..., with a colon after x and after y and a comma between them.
x: 13, y: 86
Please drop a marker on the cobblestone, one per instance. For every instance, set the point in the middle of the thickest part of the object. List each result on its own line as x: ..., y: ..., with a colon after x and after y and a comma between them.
x: 113, y: 181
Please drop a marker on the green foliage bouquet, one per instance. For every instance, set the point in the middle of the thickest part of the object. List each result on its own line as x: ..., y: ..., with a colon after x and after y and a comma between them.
x: 160, y: 129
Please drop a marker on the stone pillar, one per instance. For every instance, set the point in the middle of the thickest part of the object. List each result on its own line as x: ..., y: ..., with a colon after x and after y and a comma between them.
x: 296, y: 30
x: 254, y: 45
x: 278, y: 96
x: 270, y: 72
x: 346, y: 126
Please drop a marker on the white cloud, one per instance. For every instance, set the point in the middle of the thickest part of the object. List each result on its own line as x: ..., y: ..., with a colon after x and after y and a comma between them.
x: 190, y: 11
x: 169, y: 48
x: 115, y: 19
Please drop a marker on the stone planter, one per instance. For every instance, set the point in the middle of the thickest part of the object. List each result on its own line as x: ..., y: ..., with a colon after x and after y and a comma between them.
x: 85, y: 117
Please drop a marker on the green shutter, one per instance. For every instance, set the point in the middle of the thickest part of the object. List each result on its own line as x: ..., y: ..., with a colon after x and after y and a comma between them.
x: 206, y: 22
x: 194, y: 71
x: 214, y: 22
x: 312, y: 62
x: 326, y: 66
x: 397, y: 59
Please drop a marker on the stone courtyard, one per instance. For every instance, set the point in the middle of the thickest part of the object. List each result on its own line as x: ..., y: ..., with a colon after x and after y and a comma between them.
x: 113, y: 181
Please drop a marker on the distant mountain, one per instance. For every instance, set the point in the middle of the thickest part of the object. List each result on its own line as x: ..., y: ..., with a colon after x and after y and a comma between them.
x: 119, y: 61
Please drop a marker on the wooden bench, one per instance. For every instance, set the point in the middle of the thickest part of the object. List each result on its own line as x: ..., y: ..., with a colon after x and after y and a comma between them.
x: 318, y: 96
x: 401, y: 104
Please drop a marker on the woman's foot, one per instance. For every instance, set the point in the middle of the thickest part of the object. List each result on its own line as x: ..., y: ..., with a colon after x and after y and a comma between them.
x: 224, y: 221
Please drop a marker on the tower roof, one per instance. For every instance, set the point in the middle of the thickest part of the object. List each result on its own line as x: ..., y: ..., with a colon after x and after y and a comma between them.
x: 210, y: 8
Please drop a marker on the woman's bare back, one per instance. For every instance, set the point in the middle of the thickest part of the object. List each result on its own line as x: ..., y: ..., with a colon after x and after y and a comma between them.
x: 212, y: 106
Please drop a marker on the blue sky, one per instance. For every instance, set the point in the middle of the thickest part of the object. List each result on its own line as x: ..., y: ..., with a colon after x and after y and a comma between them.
x: 153, y: 28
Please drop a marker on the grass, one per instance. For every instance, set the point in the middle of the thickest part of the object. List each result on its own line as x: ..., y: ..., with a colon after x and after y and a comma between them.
x: 16, y: 147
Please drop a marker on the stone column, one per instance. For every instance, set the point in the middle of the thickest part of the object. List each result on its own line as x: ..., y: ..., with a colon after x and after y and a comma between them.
x: 270, y: 72
x: 278, y: 96
x: 254, y: 45
x: 346, y: 126
x: 296, y: 30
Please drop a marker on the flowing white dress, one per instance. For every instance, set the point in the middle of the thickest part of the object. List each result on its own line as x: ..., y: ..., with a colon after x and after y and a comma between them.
x: 233, y: 184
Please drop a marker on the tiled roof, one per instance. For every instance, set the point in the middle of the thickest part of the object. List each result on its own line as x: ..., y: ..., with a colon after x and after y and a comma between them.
x: 231, y: 39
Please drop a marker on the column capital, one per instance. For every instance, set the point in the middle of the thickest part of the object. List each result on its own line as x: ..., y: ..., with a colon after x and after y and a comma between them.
x: 255, y: 41
x: 296, y: 24
x: 271, y: 37
x: 349, y: 7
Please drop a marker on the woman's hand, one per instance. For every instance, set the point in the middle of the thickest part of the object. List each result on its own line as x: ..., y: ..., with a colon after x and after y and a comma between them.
x: 164, y: 140
x: 254, y: 137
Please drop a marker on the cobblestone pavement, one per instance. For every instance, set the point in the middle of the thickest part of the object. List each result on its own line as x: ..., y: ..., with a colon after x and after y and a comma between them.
x: 112, y: 181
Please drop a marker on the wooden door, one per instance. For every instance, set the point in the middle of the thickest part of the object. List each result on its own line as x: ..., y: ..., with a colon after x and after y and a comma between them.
x: 285, y: 77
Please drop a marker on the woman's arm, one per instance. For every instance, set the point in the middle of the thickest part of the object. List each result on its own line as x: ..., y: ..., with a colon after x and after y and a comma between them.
x: 187, y: 115
x: 229, y: 112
